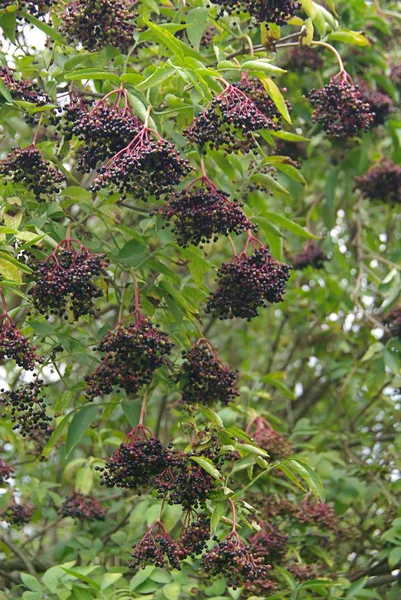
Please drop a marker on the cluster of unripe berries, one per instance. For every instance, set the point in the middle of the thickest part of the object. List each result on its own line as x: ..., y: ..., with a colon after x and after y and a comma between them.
x: 27, y: 166
x: 63, y: 281
x: 229, y: 122
x: 340, y: 108
x: 311, y: 255
x: 204, y: 378
x: 381, y: 182
x: 133, y: 350
x: 248, y: 283
x: 99, y: 23
x: 263, y: 11
x: 26, y: 408
x: 82, y: 507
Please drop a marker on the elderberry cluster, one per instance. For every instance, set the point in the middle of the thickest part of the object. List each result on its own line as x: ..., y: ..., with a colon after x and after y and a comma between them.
x: 319, y: 514
x: 246, y: 284
x: 144, y: 168
x: 195, y: 534
x: 104, y: 129
x: 17, y: 514
x: 264, y: 11
x: 6, y: 471
x: 27, y: 166
x: 82, y: 507
x: 381, y: 182
x: 37, y: 8
x: 311, y: 255
x: 22, y: 89
x: 255, y: 90
x: 63, y: 281
x: 133, y: 352
x: 14, y: 345
x: 381, y: 104
x: 204, y: 378
x: 136, y: 462
x: 159, y: 548
x: 269, y: 545
x: 229, y: 121
x: 232, y: 559
x: 274, y: 442
x: 340, y: 108
x: 304, y: 58
x: 199, y: 215
x: 393, y: 321
x: 99, y: 23
x: 26, y: 408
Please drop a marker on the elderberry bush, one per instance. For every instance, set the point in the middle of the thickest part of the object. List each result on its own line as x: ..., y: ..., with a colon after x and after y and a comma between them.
x: 232, y: 559
x: 198, y: 215
x: 340, y: 108
x: 204, y: 378
x: 27, y: 166
x: 157, y: 547
x: 311, y: 255
x: 263, y: 11
x: 145, y: 167
x: 22, y: 89
x: 99, y: 23
x: 139, y: 458
x: 104, y: 128
x: 82, y: 507
x: 381, y: 182
x: 14, y: 345
x: 17, y: 514
x: 133, y: 351
x: 248, y: 283
x: 63, y: 281
x: 229, y: 121
x: 26, y: 408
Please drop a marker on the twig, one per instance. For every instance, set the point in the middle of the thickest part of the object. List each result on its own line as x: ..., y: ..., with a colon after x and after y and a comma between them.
x: 21, y: 555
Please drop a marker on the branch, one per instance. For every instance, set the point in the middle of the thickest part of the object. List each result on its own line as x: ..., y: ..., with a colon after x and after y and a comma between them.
x: 22, y: 556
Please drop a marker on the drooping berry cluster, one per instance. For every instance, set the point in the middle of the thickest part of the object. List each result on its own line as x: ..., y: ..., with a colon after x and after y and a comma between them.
x: 274, y: 442
x: 393, y: 321
x: 195, y: 533
x: 340, y: 108
x: 381, y: 104
x: 63, y: 281
x: 269, y: 545
x: 99, y: 23
x: 248, y: 283
x: 317, y: 513
x: 27, y: 166
x: 133, y: 351
x: 255, y: 90
x: 158, y: 548
x: 381, y: 182
x: 145, y: 167
x: 136, y: 462
x: 311, y: 255
x: 302, y: 58
x: 105, y: 129
x: 25, y: 407
x: 204, y: 378
x: 23, y: 89
x: 264, y: 11
x: 229, y: 121
x: 14, y: 345
x: 199, y: 214
x: 232, y: 559
x: 17, y: 514
x: 82, y: 507
x: 6, y: 471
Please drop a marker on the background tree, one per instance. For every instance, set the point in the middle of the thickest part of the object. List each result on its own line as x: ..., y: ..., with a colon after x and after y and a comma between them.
x: 200, y: 273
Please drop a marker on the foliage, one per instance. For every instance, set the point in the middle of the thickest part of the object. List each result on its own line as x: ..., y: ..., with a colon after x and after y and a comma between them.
x: 192, y: 405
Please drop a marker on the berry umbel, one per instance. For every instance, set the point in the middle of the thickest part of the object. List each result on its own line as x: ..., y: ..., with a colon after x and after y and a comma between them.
x: 264, y: 11
x: 27, y: 166
x: 204, y: 378
x: 311, y: 255
x: 82, y: 507
x: 26, y: 408
x: 381, y: 182
x: 274, y: 442
x: 63, y: 281
x: 6, y: 471
x: 17, y: 514
x: 255, y: 90
x: 340, y: 108
x: 23, y: 89
x: 157, y: 547
x: 248, y: 283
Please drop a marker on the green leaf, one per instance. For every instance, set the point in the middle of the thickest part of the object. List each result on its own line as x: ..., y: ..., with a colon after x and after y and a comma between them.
x: 4, y: 91
x: 373, y: 350
x: 9, y: 271
x: 207, y: 465
x: 290, y: 475
x: 20, y: 266
x: 356, y: 587
x: 289, y: 225
x: 56, y: 435
x: 172, y: 591
x: 261, y: 65
x: 92, y: 73
x: 167, y: 39
x: 288, y: 136
x: 309, y: 476
x: 31, y: 582
x: 217, y: 515
x: 196, y: 23
x: 276, y: 96
x: 49, y: 31
x: 394, y: 558
x: 82, y: 577
x: 8, y: 22
x: 348, y: 37
x: 81, y: 422
x: 109, y: 579
x: 291, y: 172
x: 157, y: 77
x: 268, y: 182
